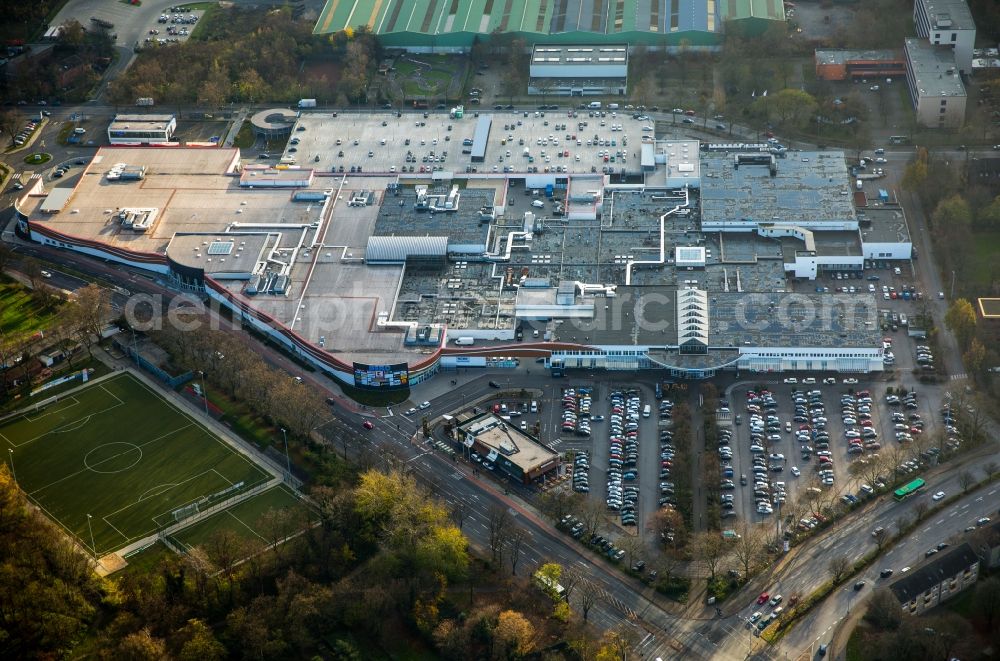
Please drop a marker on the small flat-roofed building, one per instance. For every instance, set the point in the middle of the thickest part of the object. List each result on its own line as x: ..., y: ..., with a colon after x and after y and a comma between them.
x: 936, y: 88
x: 579, y: 70
x: 509, y: 449
x: 937, y: 580
x: 947, y: 23
x: 884, y: 233
x: 681, y: 162
x: 261, y: 176
x: 840, y: 64
x: 136, y: 129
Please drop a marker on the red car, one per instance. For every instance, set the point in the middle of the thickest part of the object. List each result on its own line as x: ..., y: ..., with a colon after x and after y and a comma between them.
x: 763, y: 598
x: 367, y: 424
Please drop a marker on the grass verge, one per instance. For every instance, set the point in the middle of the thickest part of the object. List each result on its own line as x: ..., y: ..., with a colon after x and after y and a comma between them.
x: 245, y: 138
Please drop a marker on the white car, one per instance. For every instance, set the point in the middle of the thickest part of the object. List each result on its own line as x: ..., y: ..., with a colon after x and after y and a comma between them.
x: 938, y: 496
x: 795, y: 471
x: 809, y: 381
x: 425, y: 405
x: 850, y: 381
x: 791, y: 379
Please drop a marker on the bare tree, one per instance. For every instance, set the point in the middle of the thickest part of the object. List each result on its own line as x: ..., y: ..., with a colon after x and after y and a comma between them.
x: 459, y: 512
x: 571, y: 578
x: 592, y: 515
x: 87, y: 313
x: 588, y: 596
x: 966, y: 480
x: 515, y: 542
x: 499, y: 523
x: 990, y: 469
x: 709, y: 548
x: 749, y: 547
x: 632, y: 546
x: 838, y: 567
x: 920, y: 509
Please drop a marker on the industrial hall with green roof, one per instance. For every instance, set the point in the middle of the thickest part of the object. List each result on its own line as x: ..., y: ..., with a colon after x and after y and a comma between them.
x: 455, y: 25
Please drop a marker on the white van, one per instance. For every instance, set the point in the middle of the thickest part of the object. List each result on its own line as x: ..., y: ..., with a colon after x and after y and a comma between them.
x: 537, y: 204
x: 534, y: 406
x: 612, y: 106
x: 645, y: 411
x: 594, y: 105
x: 79, y: 131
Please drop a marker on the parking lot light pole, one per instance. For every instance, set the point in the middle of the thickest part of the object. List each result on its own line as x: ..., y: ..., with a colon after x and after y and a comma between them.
x: 93, y: 545
x: 12, y: 473
x: 288, y: 462
x: 204, y: 393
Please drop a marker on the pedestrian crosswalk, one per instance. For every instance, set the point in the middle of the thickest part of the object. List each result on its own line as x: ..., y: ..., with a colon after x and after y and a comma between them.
x: 959, y: 377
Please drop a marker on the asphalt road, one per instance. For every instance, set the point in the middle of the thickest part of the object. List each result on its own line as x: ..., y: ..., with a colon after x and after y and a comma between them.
x: 851, y: 537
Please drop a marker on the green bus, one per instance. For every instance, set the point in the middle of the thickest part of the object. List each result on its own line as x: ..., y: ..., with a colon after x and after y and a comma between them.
x: 907, y: 489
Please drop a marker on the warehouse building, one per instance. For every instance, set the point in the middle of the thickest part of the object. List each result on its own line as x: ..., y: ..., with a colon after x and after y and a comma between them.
x: 455, y: 25
x: 579, y: 70
x: 936, y: 89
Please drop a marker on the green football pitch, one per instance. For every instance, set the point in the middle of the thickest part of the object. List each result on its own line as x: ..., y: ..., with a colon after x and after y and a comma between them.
x: 119, y: 454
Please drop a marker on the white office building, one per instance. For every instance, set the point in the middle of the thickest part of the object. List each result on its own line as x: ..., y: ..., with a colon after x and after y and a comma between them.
x: 141, y: 129
x: 936, y: 89
x: 579, y: 70
x: 947, y: 23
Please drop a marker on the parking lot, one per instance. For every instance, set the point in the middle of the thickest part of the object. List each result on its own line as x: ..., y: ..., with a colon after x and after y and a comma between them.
x: 804, y: 433
x: 557, y: 141
x: 172, y: 26
x: 624, y: 464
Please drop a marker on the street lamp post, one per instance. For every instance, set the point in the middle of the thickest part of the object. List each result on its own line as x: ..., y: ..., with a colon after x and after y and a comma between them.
x: 288, y: 462
x: 12, y: 473
x: 204, y: 393
x: 952, y: 295
x: 93, y: 545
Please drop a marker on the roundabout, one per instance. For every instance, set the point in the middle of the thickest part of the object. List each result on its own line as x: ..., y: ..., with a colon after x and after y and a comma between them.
x: 38, y: 158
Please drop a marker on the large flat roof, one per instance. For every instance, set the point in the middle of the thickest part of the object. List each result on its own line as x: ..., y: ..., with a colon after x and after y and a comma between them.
x: 807, y: 187
x: 933, y: 69
x: 736, y: 319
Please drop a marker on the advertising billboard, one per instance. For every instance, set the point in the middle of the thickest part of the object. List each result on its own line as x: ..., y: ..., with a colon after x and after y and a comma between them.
x: 379, y: 377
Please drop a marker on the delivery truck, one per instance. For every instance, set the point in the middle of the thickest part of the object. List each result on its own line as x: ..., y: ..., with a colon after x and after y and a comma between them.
x: 307, y: 103
x: 465, y: 341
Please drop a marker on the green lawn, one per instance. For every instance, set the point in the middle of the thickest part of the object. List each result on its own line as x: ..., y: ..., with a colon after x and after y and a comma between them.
x: 21, y: 311
x: 242, y: 518
x: 984, y: 250
x: 121, y: 454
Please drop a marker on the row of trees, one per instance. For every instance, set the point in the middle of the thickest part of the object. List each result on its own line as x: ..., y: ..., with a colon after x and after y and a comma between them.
x: 246, y: 56
x: 229, y: 362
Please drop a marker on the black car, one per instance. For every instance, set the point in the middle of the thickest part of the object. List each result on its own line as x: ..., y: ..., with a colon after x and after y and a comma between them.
x: 885, y: 573
x: 494, y: 384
